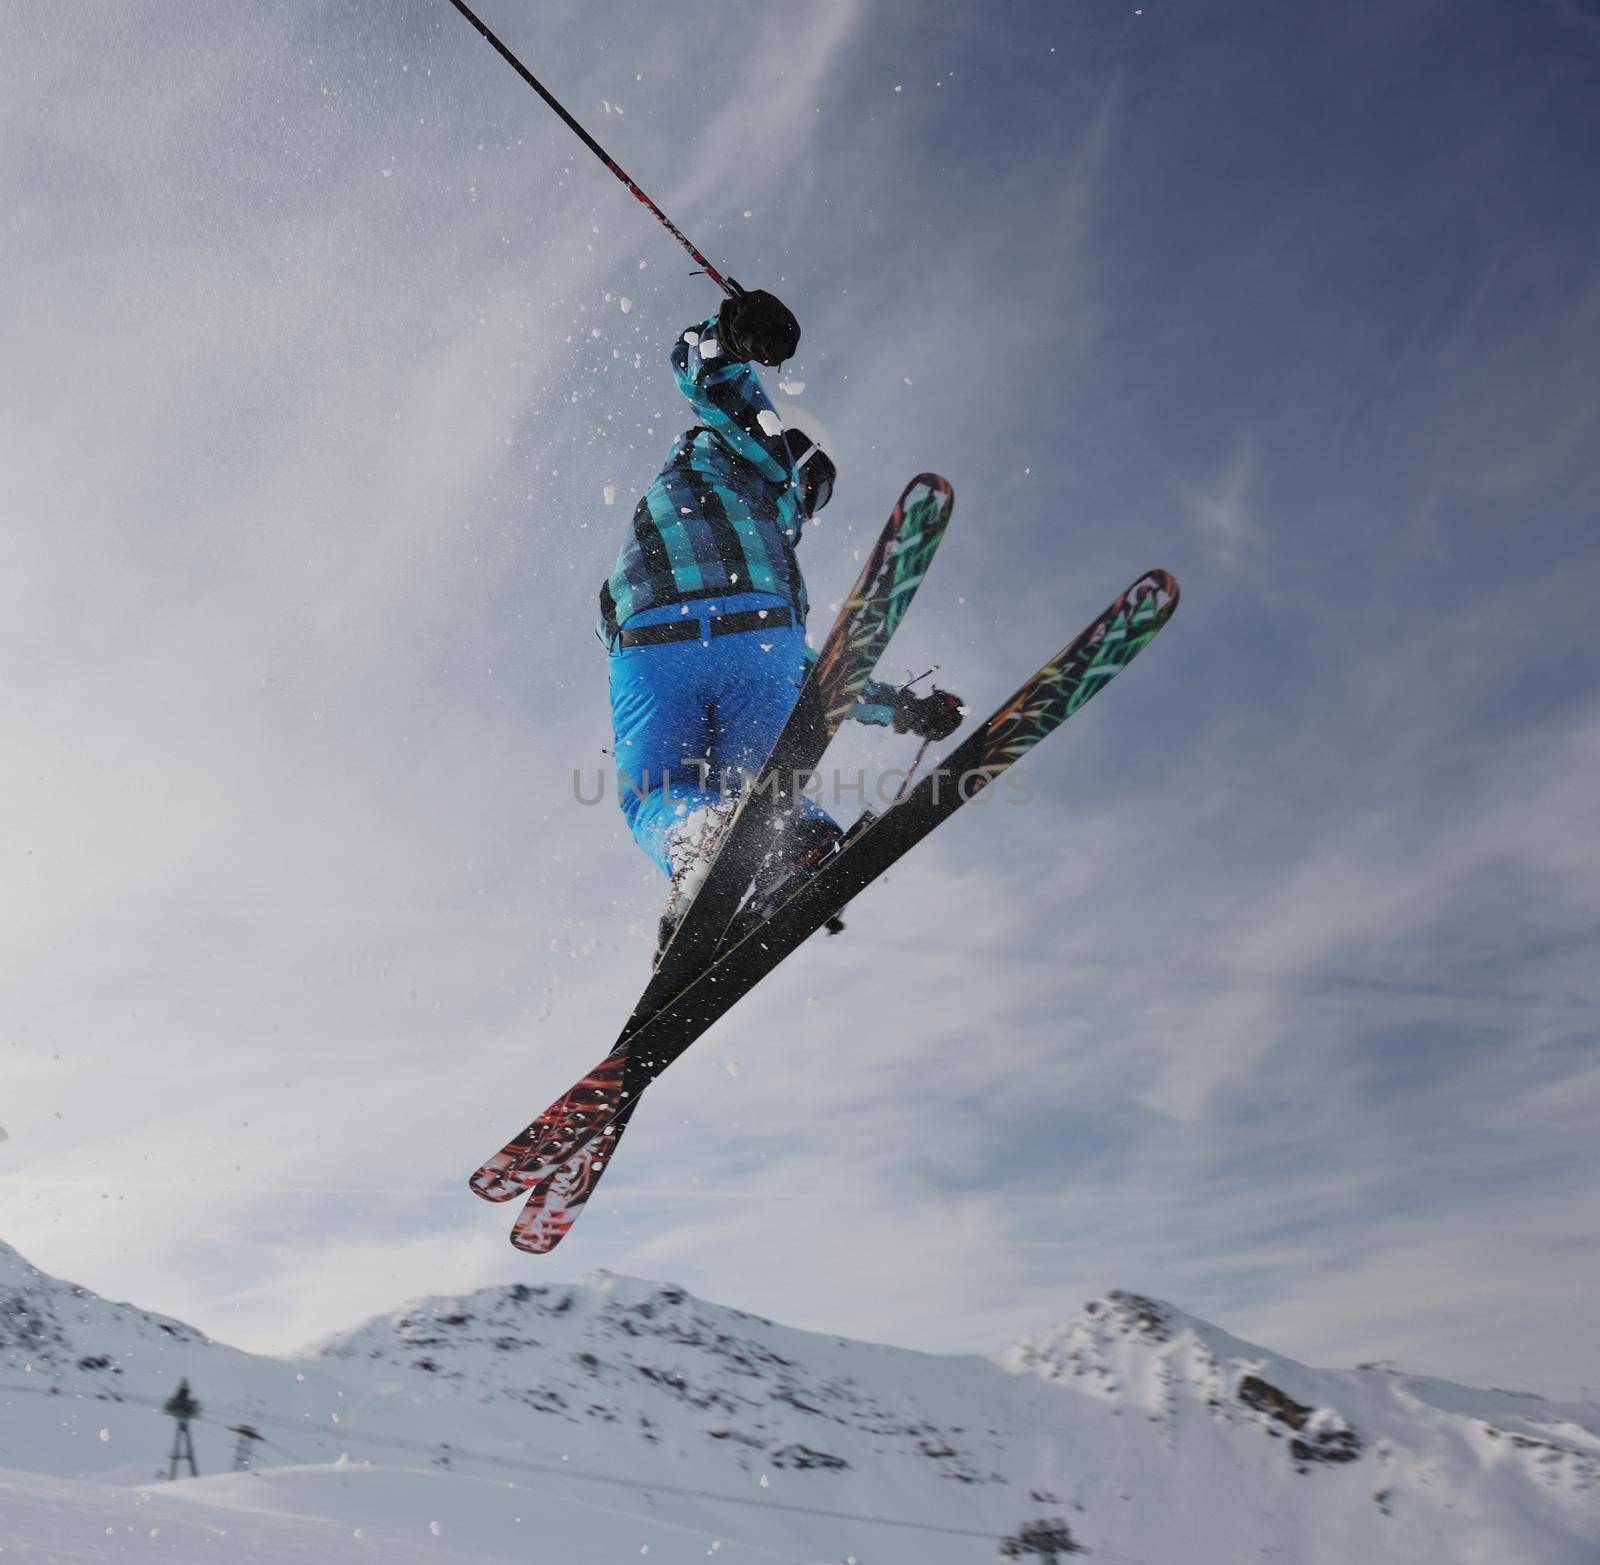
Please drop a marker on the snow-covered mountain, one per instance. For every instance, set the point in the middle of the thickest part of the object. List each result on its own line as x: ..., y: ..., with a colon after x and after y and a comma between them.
x: 602, y: 1420
x: 84, y: 1380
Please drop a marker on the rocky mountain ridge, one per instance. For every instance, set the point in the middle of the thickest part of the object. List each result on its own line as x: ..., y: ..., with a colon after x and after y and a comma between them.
x: 1142, y: 1427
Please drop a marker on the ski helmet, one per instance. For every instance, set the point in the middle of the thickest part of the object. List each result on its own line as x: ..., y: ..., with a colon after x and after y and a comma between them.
x: 808, y: 446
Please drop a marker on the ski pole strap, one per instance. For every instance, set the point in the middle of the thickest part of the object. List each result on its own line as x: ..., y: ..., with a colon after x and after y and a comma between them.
x: 725, y: 284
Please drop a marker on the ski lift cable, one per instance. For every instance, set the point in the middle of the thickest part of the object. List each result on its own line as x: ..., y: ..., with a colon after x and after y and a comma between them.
x: 347, y: 1432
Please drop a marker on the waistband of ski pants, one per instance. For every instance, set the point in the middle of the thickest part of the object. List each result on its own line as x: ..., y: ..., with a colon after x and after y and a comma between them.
x: 702, y: 619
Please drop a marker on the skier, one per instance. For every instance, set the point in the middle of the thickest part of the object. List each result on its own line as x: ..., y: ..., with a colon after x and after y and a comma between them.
x: 704, y: 616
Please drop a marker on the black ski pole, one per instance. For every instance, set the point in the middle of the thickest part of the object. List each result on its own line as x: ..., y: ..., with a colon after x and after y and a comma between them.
x: 727, y: 284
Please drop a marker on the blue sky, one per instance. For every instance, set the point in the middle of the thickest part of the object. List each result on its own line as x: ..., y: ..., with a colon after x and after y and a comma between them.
x: 1278, y: 1000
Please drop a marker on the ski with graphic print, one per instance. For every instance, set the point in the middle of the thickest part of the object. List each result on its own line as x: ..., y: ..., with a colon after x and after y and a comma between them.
x: 866, y: 620
x: 565, y: 1182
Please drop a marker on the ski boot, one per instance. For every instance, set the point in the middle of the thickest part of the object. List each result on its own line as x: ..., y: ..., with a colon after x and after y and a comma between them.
x: 690, y: 850
x: 804, y: 845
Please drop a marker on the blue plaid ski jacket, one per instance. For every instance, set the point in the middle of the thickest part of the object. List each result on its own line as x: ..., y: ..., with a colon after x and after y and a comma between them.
x: 724, y: 513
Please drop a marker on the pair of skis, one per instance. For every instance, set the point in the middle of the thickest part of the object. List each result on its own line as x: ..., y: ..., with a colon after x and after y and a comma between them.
x: 559, y: 1158
x: 868, y: 617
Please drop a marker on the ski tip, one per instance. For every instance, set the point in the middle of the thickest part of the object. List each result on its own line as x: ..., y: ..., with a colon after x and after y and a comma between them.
x: 495, y: 1184
x: 934, y: 481
x: 1163, y: 582
x: 537, y: 1238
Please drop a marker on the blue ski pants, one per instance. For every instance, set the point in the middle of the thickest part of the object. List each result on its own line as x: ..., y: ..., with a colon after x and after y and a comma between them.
x: 686, y: 714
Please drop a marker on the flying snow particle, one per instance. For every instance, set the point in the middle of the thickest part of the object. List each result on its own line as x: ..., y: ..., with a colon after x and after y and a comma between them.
x: 748, y: 212
x: 764, y: 1483
x: 899, y: 89
x: 908, y: 380
x: 626, y: 303
x: 732, y: 1067
x: 791, y: 388
x: 433, y: 1527
x: 105, y: 1434
x: 609, y: 494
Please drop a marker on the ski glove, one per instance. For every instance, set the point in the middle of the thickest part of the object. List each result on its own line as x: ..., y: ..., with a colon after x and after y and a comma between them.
x: 936, y: 715
x: 757, y: 326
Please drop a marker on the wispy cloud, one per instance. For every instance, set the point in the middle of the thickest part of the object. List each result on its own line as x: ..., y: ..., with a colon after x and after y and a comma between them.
x: 1276, y: 999
x: 1221, y: 510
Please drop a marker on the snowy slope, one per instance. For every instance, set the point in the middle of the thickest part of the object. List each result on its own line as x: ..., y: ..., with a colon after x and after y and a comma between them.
x: 499, y: 1417
x: 351, y: 1516
x: 82, y: 1380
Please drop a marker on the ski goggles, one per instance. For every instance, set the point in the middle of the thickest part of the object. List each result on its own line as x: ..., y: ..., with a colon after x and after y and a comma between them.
x: 817, y: 474
x: 814, y: 470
